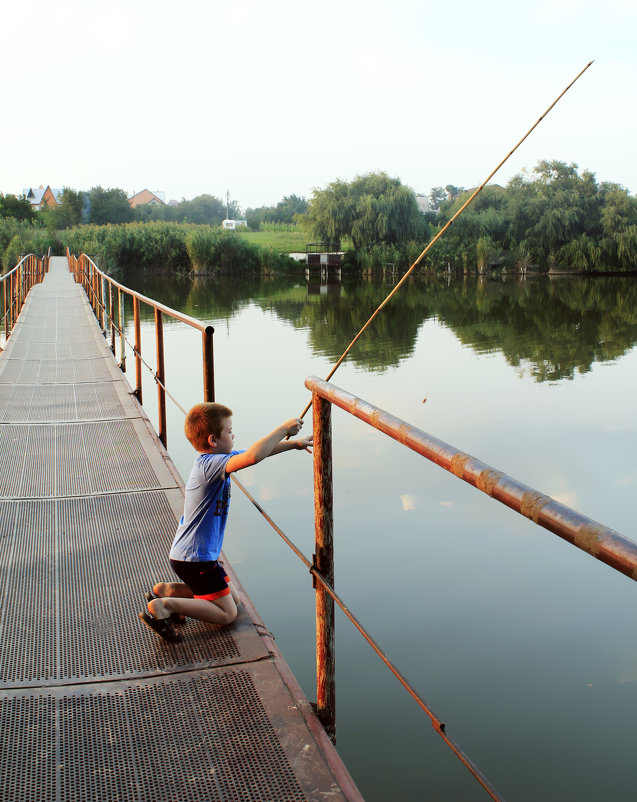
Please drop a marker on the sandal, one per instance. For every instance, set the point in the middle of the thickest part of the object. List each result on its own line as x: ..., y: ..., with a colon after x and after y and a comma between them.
x: 164, y: 627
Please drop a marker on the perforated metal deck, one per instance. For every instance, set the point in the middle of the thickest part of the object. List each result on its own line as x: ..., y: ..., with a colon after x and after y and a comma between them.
x: 93, y: 706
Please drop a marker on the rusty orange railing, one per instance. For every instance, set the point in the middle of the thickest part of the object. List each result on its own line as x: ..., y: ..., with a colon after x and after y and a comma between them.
x: 101, y: 290
x: 16, y: 285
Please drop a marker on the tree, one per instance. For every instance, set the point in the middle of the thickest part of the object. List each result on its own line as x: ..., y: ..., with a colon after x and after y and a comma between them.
x: 206, y: 209
x: 108, y: 206
x: 18, y: 208
x: 372, y: 209
x: 69, y: 212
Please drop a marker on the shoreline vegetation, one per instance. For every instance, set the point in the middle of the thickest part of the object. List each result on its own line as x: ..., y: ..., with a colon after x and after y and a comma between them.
x: 551, y: 221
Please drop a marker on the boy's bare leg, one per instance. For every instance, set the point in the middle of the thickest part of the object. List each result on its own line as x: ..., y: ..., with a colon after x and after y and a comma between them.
x: 235, y: 594
x: 177, y: 589
x: 221, y: 611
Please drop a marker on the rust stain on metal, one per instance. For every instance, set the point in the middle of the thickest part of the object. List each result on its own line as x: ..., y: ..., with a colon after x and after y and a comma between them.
x: 532, y: 505
x: 458, y: 463
x: 588, y: 538
x: 488, y: 479
x: 404, y: 430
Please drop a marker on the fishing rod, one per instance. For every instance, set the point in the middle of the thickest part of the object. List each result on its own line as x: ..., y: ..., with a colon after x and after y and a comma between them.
x: 444, y: 228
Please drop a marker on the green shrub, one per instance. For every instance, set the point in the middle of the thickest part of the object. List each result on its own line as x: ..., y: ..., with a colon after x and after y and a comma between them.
x: 212, y: 249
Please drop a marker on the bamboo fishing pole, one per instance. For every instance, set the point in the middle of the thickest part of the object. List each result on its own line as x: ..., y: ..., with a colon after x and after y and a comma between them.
x: 444, y: 228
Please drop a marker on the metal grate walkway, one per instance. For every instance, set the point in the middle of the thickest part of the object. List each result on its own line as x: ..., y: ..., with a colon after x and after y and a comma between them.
x: 92, y: 705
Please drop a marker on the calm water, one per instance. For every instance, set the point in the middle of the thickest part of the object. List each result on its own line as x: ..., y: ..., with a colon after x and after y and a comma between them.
x: 523, y: 645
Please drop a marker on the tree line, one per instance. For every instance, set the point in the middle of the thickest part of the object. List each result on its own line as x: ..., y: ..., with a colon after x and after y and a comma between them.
x: 551, y: 218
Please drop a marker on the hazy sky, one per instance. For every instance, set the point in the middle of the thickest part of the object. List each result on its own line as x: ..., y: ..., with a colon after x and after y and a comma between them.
x: 267, y: 99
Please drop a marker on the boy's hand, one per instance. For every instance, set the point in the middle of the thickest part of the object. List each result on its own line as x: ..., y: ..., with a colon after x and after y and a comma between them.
x: 293, y: 426
x: 303, y: 443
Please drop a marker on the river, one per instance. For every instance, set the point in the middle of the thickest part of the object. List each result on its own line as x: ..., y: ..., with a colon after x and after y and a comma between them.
x: 525, y: 646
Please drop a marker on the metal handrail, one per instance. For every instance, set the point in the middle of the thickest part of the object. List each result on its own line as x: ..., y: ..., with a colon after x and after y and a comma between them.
x: 601, y: 542
x: 95, y: 283
x: 16, y: 285
x: 87, y: 273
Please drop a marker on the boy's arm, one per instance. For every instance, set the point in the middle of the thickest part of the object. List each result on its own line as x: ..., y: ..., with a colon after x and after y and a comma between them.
x: 269, y: 445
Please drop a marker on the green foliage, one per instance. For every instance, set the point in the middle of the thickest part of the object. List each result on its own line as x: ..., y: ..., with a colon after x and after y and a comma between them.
x: 17, y: 208
x: 108, y: 206
x: 373, y: 209
x: 284, y: 213
x: 211, y: 250
x: 555, y: 219
x: 151, y: 246
x: 12, y: 254
x: 19, y: 237
x: 70, y: 211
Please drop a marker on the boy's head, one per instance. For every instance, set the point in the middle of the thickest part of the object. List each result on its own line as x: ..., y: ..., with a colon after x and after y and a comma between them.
x: 204, y: 420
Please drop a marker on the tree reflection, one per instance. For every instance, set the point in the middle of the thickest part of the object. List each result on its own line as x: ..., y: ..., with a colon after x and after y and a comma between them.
x: 552, y: 328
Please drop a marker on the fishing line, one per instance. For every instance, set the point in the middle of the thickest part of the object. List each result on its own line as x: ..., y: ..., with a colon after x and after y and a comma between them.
x: 444, y: 228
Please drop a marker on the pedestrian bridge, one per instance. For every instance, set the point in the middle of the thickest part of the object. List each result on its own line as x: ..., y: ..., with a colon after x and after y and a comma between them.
x: 93, y: 705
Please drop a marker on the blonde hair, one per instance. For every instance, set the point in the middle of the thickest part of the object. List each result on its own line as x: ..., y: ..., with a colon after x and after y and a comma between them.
x: 202, y: 421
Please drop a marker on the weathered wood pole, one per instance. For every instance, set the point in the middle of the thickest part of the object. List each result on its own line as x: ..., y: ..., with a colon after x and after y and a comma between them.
x: 161, y: 375
x: 324, y: 563
x: 208, y: 364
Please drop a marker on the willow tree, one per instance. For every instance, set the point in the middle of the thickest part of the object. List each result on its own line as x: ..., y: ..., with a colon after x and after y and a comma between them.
x: 373, y: 209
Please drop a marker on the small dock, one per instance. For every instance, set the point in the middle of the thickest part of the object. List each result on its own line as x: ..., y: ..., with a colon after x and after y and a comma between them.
x: 93, y: 705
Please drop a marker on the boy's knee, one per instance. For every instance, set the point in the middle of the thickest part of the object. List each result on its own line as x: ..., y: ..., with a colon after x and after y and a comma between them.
x: 230, y: 616
x: 228, y: 611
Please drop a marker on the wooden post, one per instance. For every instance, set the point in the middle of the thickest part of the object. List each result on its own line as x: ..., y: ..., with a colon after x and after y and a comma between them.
x: 161, y: 376
x: 138, y: 350
x: 208, y: 364
x: 324, y: 562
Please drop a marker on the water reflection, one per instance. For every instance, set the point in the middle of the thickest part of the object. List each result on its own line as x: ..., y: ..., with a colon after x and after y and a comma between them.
x: 521, y: 642
x: 551, y: 329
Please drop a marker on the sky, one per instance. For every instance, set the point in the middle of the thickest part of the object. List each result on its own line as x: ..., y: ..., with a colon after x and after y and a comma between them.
x: 264, y: 100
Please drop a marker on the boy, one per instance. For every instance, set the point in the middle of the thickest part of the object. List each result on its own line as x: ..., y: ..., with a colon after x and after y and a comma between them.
x: 205, y: 592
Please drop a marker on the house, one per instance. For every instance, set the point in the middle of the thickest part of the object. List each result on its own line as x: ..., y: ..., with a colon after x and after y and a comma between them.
x: 424, y: 204
x: 147, y: 198
x: 41, y: 196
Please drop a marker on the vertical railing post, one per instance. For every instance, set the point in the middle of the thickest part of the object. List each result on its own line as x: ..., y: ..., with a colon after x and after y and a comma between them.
x: 95, y: 291
x: 324, y: 563
x: 122, y: 341
x: 103, y: 308
x: 208, y: 364
x: 20, y: 287
x: 161, y: 375
x: 111, y: 316
x: 11, y: 300
x: 5, y: 310
x: 138, y: 350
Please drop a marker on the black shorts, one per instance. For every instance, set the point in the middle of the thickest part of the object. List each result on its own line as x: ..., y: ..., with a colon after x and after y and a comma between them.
x: 207, y: 580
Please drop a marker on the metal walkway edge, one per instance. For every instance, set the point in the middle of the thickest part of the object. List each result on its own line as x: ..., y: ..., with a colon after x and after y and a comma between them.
x: 93, y: 706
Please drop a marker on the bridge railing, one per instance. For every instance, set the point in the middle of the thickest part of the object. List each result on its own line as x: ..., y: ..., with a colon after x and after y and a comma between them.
x: 16, y: 285
x: 616, y: 550
x: 612, y: 548
x: 107, y: 298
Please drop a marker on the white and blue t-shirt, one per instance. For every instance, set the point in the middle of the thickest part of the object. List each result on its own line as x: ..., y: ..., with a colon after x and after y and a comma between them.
x: 199, y: 536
